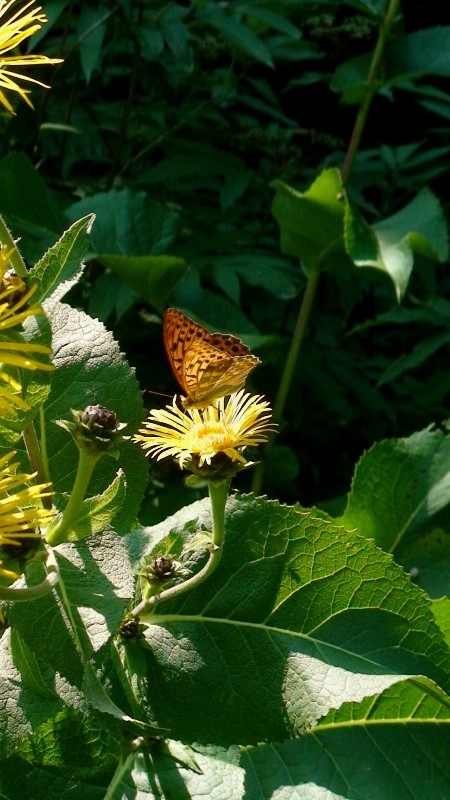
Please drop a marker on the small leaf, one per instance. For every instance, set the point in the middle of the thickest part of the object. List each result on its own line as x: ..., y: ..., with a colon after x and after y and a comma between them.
x: 419, y: 355
x: 240, y: 36
x: 152, y: 42
x: 277, y: 275
x: 73, y: 740
x: 97, y: 512
x: 390, y: 245
x: 272, y: 20
x: 61, y: 266
x: 91, y: 32
x: 177, y: 34
x: 27, y: 664
x: 424, y: 52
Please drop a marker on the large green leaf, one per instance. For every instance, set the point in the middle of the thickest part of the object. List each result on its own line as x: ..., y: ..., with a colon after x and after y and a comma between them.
x: 304, y: 628
x: 300, y: 617
x: 400, y: 498
x: 392, y: 745
x: 95, y: 584
x: 90, y: 370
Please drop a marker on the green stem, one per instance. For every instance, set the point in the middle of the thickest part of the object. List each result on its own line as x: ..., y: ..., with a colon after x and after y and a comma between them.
x: 86, y: 465
x: 34, y: 457
x: 15, y: 259
x: 43, y: 444
x: 361, y: 118
x: 33, y: 592
x: 218, y: 493
x: 289, y: 368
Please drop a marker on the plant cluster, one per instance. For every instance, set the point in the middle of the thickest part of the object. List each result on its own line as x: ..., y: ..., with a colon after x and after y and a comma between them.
x: 242, y: 592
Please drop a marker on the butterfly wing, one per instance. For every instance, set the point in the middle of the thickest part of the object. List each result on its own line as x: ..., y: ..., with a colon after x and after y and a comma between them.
x: 178, y: 333
x: 210, y: 373
x: 206, y: 365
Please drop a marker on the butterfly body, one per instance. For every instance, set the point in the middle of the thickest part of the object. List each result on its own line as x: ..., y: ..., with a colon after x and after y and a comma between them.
x: 207, y: 365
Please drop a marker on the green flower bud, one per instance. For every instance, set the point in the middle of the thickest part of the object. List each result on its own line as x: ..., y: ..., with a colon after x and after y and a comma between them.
x: 96, y: 429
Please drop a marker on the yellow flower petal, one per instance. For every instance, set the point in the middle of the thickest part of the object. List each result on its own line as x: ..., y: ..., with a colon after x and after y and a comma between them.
x: 21, y: 512
x: 22, y: 24
x: 236, y: 422
x: 14, y: 351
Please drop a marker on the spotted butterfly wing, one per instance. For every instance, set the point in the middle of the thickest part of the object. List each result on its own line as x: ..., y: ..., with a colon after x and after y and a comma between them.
x: 207, y: 365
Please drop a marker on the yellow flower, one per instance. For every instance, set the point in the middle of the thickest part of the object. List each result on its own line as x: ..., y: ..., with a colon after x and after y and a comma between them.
x: 236, y: 422
x: 13, y: 349
x: 21, y: 512
x: 19, y: 26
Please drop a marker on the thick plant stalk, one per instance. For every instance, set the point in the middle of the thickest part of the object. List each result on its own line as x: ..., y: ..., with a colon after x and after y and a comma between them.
x: 313, y: 277
x: 383, y: 34
x: 289, y: 369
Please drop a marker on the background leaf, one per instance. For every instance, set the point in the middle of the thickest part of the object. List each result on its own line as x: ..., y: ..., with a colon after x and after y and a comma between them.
x: 311, y: 223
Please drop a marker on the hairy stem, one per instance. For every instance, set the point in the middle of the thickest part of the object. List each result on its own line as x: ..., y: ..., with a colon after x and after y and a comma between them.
x: 33, y: 592
x: 218, y: 493
x: 87, y: 461
x: 34, y: 456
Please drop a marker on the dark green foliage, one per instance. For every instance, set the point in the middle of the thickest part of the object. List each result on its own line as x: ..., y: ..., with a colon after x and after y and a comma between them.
x: 170, y: 122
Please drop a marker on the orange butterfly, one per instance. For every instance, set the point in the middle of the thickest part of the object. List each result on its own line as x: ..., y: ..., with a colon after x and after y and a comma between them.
x: 206, y: 365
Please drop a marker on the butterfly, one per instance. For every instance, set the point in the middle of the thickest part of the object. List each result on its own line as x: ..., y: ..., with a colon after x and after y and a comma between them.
x: 206, y: 365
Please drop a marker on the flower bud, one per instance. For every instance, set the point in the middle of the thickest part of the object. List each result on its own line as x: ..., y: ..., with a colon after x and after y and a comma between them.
x: 160, y: 569
x: 129, y: 628
x: 96, y: 429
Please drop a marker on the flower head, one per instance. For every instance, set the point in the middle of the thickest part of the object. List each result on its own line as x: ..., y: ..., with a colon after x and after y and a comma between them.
x: 14, y: 309
x: 21, y: 511
x: 211, y: 438
x: 19, y: 26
